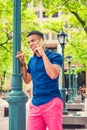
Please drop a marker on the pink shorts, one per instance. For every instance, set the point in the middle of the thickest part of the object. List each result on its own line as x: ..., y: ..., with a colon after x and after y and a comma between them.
x: 48, y: 115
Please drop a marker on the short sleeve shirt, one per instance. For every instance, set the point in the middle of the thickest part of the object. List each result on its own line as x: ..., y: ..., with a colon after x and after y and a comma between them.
x: 44, y: 88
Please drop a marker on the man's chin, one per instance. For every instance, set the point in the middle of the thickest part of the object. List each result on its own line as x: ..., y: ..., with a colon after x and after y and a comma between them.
x: 33, y: 52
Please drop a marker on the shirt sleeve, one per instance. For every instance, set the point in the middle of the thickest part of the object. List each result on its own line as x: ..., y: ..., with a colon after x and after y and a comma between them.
x: 57, y: 59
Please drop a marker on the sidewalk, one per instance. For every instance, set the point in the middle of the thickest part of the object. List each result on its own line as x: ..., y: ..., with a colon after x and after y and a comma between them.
x: 4, y: 121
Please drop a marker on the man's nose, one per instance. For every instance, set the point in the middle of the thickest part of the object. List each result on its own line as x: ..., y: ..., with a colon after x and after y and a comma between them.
x: 30, y: 43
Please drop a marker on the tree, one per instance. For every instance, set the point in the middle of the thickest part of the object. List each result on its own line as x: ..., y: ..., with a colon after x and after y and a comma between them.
x: 5, y: 39
x: 6, y: 34
x: 74, y: 21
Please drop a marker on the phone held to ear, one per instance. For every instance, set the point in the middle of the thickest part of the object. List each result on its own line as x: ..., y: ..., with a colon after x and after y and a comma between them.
x: 42, y: 43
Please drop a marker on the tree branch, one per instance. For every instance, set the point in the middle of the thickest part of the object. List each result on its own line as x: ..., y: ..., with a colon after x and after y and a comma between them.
x: 83, y: 23
x: 9, y: 37
x: 5, y: 48
x: 4, y: 42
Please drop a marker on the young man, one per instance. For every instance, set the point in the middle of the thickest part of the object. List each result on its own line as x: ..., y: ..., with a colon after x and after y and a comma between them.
x: 43, y: 69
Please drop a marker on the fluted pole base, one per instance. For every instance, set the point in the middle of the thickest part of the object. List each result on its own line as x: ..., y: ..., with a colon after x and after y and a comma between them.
x: 17, y: 110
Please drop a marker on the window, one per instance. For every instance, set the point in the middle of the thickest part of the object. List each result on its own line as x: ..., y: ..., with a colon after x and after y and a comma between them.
x: 54, y: 36
x: 44, y: 15
x: 46, y: 36
x: 55, y: 15
x: 66, y: 25
x: 37, y: 14
x: 53, y: 49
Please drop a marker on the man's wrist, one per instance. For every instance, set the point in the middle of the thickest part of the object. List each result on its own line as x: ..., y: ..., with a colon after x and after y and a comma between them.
x: 23, y: 64
x: 43, y: 55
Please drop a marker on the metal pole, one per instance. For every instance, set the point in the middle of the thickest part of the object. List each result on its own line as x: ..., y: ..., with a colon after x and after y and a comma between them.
x: 63, y: 90
x: 76, y: 85
x: 73, y: 89
x: 69, y: 88
x: 16, y: 98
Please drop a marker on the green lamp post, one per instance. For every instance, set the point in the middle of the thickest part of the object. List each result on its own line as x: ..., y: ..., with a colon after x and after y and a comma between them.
x: 73, y: 86
x: 69, y: 59
x: 62, y: 40
x: 76, y: 76
x: 16, y: 98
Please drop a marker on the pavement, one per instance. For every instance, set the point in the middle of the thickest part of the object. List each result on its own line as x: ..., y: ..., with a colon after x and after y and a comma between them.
x: 4, y: 121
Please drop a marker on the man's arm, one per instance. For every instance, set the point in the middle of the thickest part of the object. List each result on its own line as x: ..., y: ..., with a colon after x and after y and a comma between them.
x: 25, y: 75
x: 52, y: 70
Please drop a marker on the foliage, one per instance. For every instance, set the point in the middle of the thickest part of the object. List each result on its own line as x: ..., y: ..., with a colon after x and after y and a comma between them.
x: 6, y: 11
x: 6, y: 29
x: 73, y: 21
x: 28, y: 19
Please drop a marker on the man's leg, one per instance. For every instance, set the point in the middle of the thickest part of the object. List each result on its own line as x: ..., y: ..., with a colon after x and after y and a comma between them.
x: 35, y: 120
x: 53, y: 114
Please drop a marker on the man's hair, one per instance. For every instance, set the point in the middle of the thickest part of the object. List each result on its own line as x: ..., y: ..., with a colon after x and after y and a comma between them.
x: 35, y: 32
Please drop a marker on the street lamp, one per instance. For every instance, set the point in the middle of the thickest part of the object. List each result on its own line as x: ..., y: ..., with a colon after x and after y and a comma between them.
x: 76, y: 76
x: 73, y: 86
x: 69, y: 59
x: 17, y: 98
x: 62, y: 40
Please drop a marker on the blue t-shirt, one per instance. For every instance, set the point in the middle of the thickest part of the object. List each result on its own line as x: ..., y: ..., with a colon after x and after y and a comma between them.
x: 44, y: 88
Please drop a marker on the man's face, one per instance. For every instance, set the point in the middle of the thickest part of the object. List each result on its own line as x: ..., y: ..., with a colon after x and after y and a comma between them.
x: 33, y: 41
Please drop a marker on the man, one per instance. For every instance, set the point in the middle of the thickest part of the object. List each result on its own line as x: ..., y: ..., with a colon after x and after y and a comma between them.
x: 43, y: 69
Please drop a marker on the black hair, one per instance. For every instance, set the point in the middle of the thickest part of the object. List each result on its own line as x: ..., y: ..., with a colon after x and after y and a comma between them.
x: 36, y: 32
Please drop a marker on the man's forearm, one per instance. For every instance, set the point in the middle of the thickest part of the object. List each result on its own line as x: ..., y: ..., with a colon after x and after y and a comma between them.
x: 26, y: 77
x: 52, y: 70
x: 24, y: 72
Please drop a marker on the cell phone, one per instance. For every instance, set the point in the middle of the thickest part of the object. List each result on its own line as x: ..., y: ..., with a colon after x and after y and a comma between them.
x: 42, y: 42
